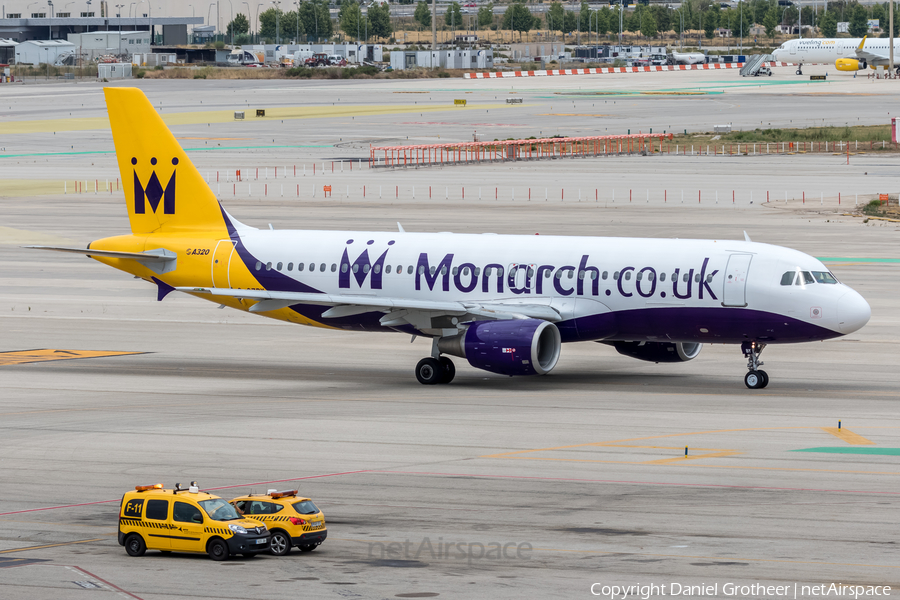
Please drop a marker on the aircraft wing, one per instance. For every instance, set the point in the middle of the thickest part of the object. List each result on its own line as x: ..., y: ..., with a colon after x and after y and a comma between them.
x: 350, y: 304
x: 869, y: 57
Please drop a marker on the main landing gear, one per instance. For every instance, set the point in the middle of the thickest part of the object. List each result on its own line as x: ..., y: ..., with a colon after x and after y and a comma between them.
x: 431, y: 371
x: 756, y: 378
x: 799, y: 72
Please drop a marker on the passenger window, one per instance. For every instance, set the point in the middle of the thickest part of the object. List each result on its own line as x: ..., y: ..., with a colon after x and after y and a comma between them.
x: 616, y: 276
x: 640, y: 276
x: 312, y: 267
x: 344, y: 268
x: 258, y: 265
x: 604, y: 275
x: 333, y: 267
x: 421, y: 269
x: 409, y: 270
x: 697, y: 278
x: 455, y: 271
x: 376, y: 268
x: 788, y: 278
x: 365, y: 268
x: 477, y: 271
x: 322, y: 267
x: 431, y: 270
x: 685, y: 278
x: 290, y: 266
x: 627, y: 275
x: 186, y: 513
x: 268, y: 266
x: 662, y: 276
x: 709, y: 278
x: 300, y: 266
x: 278, y: 266
x: 580, y: 274
x: 593, y: 274
x: 571, y: 273
x: 387, y: 269
x: 157, y: 510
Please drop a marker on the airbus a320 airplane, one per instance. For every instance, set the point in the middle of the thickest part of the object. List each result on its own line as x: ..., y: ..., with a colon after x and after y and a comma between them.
x: 504, y: 303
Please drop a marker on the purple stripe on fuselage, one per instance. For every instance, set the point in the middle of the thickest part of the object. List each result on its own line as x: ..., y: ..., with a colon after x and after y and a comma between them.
x: 272, y: 280
x: 683, y: 324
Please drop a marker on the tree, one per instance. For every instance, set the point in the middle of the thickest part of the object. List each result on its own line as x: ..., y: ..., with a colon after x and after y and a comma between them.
x: 570, y: 22
x: 828, y: 24
x: 663, y: 18
x: 648, y: 25
x: 486, y: 15
x: 584, y: 17
x: 859, y: 23
x: 770, y: 22
x: 710, y: 22
x: 453, y: 16
x: 380, y: 20
x: 740, y: 23
x: 423, y: 15
x: 603, y: 20
x: 268, y: 20
x: 291, y: 25
x: 351, y: 20
x: 556, y: 17
x: 518, y: 18
x: 239, y: 25
x: 316, y: 20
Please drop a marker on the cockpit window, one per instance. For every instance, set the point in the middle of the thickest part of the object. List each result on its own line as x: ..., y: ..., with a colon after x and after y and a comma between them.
x: 788, y: 278
x: 807, y: 278
x: 824, y: 277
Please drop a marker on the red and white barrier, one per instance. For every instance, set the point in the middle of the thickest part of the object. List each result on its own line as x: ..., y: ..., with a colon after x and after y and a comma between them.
x: 604, y: 70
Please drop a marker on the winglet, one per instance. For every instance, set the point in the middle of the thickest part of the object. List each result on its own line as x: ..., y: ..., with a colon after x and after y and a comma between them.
x: 400, y: 227
x: 862, y: 43
x: 747, y: 237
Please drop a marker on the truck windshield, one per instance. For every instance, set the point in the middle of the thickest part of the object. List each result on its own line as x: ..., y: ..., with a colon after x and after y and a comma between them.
x: 219, y: 510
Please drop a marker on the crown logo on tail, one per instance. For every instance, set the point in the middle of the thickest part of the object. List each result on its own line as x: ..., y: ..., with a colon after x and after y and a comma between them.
x: 154, y: 192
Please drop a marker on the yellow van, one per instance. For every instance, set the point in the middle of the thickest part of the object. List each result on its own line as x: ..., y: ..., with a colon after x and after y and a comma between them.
x: 186, y: 520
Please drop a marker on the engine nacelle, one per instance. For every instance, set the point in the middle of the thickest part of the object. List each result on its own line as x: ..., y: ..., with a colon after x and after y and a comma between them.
x: 660, y: 351
x: 849, y: 64
x: 511, y: 347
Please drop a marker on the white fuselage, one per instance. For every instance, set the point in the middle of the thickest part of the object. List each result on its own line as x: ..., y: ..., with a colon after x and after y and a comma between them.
x: 603, y: 288
x: 829, y: 50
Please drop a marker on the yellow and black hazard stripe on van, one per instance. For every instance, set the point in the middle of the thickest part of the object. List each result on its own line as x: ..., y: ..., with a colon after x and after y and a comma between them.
x: 141, y: 523
x: 217, y: 530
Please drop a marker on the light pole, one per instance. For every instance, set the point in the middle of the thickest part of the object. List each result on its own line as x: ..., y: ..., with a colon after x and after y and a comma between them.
x: 231, y: 8
x: 50, y: 20
x: 621, y: 12
x: 257, y: 22
x: 250, y: 25
x: 297, y: 30
x: 277, y: 4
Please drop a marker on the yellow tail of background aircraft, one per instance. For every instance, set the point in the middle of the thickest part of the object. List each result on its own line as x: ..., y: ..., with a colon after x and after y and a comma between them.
x: 504, y: 303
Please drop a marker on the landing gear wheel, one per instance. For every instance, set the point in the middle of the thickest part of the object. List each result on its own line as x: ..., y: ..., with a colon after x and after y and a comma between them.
x: 280, y: 544
x: 799, y: 72
x: 753, y: 380
x: 765, y: 378
x: 449, y: 369
x: 134, y: 545
x: 429, y: 371
x: 217, y: 550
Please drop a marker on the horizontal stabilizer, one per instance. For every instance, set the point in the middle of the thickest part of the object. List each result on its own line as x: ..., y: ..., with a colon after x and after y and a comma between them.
x: 159, y: 260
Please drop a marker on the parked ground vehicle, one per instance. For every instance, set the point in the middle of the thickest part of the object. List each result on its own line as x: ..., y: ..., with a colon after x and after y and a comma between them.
x: 337, y: 61
x: 293, y: 520
x: 319, y: 59
x: 764, y: 71
x: 186, y: 520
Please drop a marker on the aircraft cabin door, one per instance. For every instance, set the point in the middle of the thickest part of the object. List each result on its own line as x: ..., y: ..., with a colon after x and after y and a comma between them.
x: 793, y: 49
x: 220, y: 263
x: 735, y: 292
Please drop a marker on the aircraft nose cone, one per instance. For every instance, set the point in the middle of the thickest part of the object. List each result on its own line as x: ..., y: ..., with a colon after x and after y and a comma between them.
x: 853, y: 312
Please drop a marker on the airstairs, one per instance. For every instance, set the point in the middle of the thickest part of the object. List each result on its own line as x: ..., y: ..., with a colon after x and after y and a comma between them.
x: 754, y: 64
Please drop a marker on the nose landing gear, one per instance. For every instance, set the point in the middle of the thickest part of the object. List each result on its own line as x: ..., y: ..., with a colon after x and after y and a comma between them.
x: 756, y: 378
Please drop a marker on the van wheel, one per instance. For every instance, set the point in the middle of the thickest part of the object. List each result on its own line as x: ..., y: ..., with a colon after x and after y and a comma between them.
x: 217, y: 550
x: 134, y: 545
x: 280, y: 543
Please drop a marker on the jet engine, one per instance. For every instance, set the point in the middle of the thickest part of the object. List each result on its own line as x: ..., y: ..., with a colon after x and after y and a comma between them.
x: 510, y: 347
x: 849, y: 64
x: 659, y: 351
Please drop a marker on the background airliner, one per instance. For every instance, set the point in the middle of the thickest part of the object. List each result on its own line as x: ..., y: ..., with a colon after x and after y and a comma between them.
x: 847, y: 54
x: 504, y: 303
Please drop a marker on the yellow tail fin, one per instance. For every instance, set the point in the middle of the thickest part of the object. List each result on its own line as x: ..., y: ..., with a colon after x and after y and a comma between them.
x: 163, y: 190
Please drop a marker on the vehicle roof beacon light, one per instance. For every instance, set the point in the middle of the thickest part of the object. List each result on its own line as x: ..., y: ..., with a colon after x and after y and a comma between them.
x: 144, y: 488
x: 276, y: 495
x: 194, y: 489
